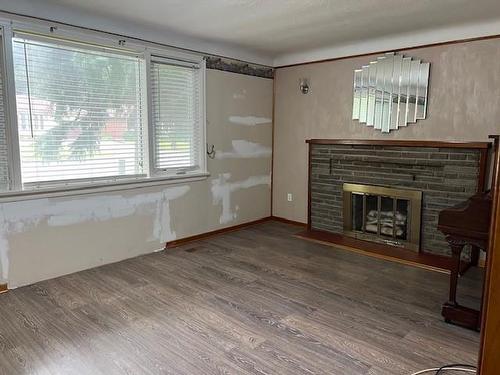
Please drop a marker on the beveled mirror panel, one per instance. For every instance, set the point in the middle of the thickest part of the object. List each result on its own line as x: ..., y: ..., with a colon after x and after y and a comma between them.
x: 391, y: 92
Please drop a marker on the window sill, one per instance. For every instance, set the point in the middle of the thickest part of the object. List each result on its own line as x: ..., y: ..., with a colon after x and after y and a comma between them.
x: 82, y: 189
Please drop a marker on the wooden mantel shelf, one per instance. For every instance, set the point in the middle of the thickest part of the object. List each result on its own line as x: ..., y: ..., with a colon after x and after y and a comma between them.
x: 401, y: 143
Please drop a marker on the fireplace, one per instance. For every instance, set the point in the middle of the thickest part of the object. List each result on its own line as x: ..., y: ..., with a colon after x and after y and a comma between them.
x: 441, y: 174
x: 381, y: 214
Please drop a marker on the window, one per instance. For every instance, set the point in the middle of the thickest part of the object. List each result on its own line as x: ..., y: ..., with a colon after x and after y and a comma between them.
x: 4, y: 160
x: 176, y: 116
x: 79, y: 112
x: 96, y: 114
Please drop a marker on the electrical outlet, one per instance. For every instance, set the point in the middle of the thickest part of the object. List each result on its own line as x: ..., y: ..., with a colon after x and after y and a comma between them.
x: 289, y: 197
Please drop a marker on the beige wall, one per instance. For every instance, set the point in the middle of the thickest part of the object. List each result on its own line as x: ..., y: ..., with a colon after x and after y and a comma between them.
x: 45, y: 238
x: 464, y: 104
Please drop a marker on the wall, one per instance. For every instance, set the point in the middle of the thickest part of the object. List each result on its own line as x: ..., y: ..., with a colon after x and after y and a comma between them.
x: 464, y: 104
x: 46, y: 238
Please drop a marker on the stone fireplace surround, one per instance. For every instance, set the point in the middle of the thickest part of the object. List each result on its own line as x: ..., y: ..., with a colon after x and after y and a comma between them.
x: 447, y: 173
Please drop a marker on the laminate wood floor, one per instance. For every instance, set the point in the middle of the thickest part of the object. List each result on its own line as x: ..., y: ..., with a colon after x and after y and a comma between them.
x: 255, y: 301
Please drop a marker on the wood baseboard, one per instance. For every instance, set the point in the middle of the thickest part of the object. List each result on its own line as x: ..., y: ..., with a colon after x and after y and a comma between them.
x: 286, y: 221
x: 3, y: 288
x: 424, y: 260
x: 201, y: 236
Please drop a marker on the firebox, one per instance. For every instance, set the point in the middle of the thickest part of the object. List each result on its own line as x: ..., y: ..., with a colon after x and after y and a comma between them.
x: 381, y: 214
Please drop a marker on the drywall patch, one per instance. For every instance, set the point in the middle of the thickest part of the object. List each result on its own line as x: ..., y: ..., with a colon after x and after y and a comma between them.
x: 17, y: 217
x: 163, y: 225
x: 222, y: 190
x: 249, y: 120
x: 244, y: 149
x: 241, y: 95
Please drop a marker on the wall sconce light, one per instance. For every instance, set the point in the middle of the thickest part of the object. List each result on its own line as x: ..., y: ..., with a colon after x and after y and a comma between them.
x: 304, y: 86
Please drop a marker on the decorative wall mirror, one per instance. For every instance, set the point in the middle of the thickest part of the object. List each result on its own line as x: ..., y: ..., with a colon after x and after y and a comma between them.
x: 391, y: 92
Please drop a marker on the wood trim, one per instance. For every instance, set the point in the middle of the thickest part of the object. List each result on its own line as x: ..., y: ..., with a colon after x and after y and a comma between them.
x: 4, y: 288
x: 489, y: 360
x: 202, y: 236
x: 272, y: 146
x: 421, y: 259
x: 483, y: 170
x: 403, y: 49
x: 309, y: 224
x: 287, y: 221
x: 400, y: 143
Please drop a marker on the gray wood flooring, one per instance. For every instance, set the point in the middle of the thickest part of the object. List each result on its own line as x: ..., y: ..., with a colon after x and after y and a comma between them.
x: 255, y: 301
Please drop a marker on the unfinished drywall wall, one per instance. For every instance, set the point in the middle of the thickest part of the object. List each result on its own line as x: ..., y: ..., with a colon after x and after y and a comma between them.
x: 464, y: 105
x: 49, y: 237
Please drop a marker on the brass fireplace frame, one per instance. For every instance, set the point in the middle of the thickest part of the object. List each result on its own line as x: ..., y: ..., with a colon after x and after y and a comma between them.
x: 414, y: 197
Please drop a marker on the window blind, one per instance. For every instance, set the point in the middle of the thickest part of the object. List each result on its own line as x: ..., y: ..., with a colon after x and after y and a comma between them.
x: 175, y: 92
x: 79, y: 112
x: 4, y: 159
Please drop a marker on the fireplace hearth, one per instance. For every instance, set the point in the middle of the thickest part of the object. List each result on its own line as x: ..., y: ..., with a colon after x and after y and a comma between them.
x: 381, y: 214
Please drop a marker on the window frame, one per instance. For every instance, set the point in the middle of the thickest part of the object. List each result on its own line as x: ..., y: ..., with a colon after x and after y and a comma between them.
x: 96, y: 40
x: 201, y: 67
x: 55, y: 43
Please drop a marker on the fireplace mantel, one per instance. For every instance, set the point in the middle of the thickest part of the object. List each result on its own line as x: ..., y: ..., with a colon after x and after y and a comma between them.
x: 402, y: 143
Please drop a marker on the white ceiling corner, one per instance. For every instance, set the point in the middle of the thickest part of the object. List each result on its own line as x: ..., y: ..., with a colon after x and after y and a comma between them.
x: 277, y: 32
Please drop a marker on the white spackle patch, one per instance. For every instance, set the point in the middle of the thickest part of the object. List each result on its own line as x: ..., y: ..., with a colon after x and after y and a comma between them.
x: 222, y: 189
x: 240, y: 95
x: 163, y: 226
x: 17, y: 217
x: 249, y: 120
x: 244, y: 149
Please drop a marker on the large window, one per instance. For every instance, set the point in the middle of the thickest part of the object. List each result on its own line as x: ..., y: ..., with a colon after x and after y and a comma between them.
x: 79, y: 112
x: 83, y: 117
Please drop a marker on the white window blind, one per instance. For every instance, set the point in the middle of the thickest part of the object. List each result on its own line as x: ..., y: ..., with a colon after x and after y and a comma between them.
x: 175, y: 94
x: 4, y: 159
x: 79, y: 112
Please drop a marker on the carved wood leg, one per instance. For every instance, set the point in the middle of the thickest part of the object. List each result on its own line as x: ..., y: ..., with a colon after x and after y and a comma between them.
x: 456, y: 250
x: 452, y: 311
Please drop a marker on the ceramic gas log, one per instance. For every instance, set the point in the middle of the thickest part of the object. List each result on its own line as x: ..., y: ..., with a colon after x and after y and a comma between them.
x: 390, y: 223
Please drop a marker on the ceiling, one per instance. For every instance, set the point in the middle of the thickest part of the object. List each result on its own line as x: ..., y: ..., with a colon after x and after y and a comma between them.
x: 277, y: 30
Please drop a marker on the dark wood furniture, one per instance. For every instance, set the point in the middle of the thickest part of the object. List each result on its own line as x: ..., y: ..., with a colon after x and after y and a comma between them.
x: 468, y: 223
x: 423, y: 258
x: 464, y: 224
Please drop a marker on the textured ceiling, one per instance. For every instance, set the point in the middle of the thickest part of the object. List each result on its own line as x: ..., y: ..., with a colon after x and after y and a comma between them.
x: 278, y: 27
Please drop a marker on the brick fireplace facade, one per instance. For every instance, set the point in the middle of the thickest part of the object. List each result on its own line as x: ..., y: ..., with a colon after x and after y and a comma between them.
x: 445, y: 175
